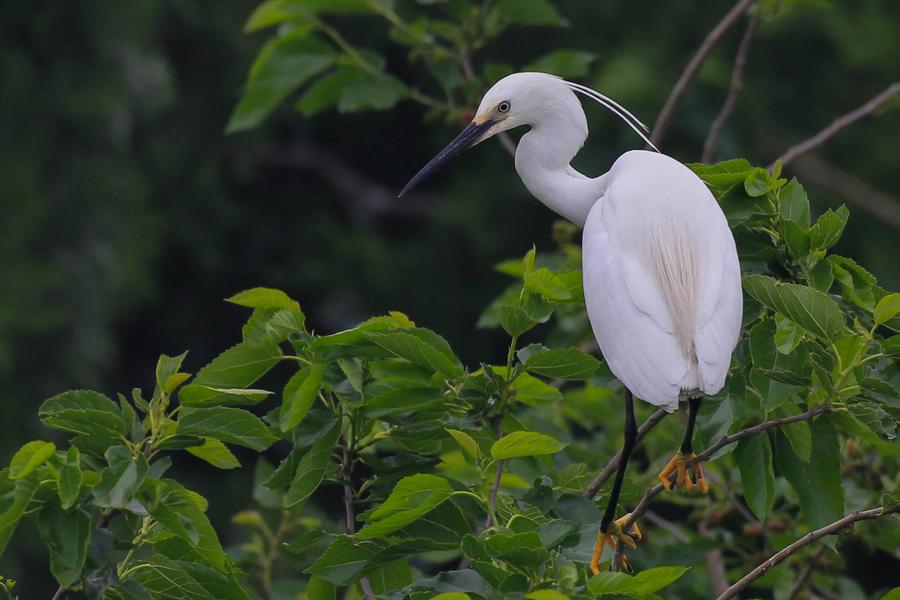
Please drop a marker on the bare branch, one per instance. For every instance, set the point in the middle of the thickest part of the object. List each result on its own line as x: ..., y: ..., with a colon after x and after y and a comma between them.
x: 668, y: 526
x: 364, y: 584
x: 809, y: 538
x: 655, y: 490
x: 495, y: 487
x: 839, y: 124
x: 737, y: 85
x: 715, y: 564
x: 875, y: 202
x: 613, y: 464
x: 361, y: 196
x: 690, y: 72
x: 804, y: 575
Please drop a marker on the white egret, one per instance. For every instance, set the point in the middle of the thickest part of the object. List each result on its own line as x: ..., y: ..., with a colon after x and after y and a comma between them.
x: 662, y: 282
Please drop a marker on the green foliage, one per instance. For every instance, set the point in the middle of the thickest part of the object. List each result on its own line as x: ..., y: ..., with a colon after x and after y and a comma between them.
x: 468, y: 477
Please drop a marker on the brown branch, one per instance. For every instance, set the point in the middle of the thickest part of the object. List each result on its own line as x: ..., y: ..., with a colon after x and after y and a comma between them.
x: 655, y: 490
x: 809, y: 538
x: 362, y: 197
x: 839, y: 124
x: 495, y: 487
x: 364, y: 584
x: 737, y: 85
x: 715, y: 564
x: 613, y: 464
x: 880, y: 205
x: 687, y: 77
x: 804, y: 575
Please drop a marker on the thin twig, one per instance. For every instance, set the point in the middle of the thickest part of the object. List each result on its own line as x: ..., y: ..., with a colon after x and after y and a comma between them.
x: 840, y: 123
x: 804, y: 575
x: 613, y: 464
x: 737, y: 85
x: 693, y: 67
x: 809, y: 538
x: 364, y: 584
x: 655, y: 490
x: 668, y: 526
x: 495, y: 487
x: 715, y: 563
x: 882, y: 206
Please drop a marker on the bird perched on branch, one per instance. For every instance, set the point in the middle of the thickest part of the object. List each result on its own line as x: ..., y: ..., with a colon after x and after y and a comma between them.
x: 662, y: 282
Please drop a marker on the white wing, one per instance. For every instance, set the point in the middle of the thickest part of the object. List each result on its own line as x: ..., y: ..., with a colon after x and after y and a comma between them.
x: 661, y: 280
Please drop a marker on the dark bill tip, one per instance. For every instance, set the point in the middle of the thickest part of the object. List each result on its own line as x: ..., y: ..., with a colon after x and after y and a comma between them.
x: 466, y: 139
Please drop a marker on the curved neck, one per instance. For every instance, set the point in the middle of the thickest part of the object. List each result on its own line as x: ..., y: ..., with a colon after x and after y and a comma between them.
x: 542, y: 161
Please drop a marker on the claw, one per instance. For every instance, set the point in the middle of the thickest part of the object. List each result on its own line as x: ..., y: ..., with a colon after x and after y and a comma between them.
x: 611, y: 538
x: 683, y: 479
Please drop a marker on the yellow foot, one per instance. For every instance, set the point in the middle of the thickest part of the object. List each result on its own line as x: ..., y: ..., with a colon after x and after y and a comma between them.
x: 612, y: 538
x: 679, y: 465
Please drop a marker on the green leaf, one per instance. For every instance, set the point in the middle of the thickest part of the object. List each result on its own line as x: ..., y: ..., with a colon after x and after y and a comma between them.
x: 390, y: 577
x: 724, y: 175
x: 167, y: 579
x: 514, y: 320
x: 817, y: 482
x: 284, y: 63
x: 66, y: 535
x: 326, y: 91
x: 343, y: 560
x: 29, y: 457
x: 805, y: 306
x: 410, y: 499
x: 887, y: 308
x: 754, y: 458
x: 757, y: 183
x: 231, y: 425
x: 69, y: 480
x: 261, y: 297
x: 319, y: 589
x: 531, y: 391
x: 371, y: 91
x: 798, y: 433
x: 299, y: 394
x: 215, y: 453
x: 564, y: 63
x: 542, y: 281
x: 546, y: 595
x: 529, y: 12
x: 465, y: 441
x: 797, y: 239
x: 83, y: 411
x: 857, y: 284
x: 644, y: 583
x: 239, y: 366
x: 181, y: 512
x: 311, y: 468
x: 119, y: 482
x: 561, y: 363
x: 421, y: 347
x: 9, y: 520
x: 404, y: 400
x: 793, y: 205
x: 525, y: 443
x: 206, y: 395
x: 829, y: 227
x: 167, y: 376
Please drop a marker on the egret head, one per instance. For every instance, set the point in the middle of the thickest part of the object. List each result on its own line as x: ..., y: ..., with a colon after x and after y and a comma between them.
x: 523, y: 99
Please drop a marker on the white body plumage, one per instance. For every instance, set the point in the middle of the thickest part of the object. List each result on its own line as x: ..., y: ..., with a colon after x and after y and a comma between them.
x: 662, y: 281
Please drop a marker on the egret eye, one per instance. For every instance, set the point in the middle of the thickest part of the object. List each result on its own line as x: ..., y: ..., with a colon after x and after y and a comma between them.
x: 503, y: 106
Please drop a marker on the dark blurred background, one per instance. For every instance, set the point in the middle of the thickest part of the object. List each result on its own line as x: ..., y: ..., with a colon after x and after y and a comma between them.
x: 128, y: 213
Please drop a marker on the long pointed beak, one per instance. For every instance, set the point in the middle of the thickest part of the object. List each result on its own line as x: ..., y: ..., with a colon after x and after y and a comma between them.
x: 466, y: 139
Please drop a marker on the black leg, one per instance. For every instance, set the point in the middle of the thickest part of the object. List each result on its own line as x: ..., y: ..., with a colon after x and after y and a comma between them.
x: 687, y: 444
x: 627, y: 447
